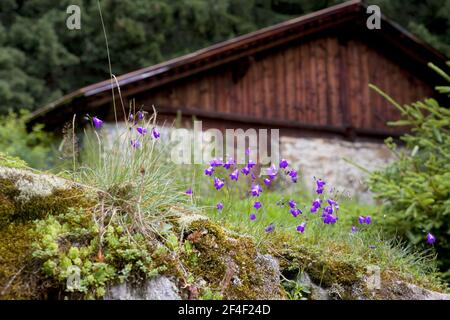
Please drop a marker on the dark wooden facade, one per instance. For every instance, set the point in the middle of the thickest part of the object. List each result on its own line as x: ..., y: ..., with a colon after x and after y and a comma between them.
x: 320, y: 83
x: 309, y: 73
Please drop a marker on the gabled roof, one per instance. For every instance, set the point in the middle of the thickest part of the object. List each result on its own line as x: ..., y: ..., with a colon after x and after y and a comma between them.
x: 233, y: 49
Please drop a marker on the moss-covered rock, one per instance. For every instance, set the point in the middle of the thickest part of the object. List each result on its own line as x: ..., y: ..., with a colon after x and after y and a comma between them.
x: 16, y: 280
x: 327, y: 277
x: 7, y: 161
x: 27, y: 196
x: 51, y: 227
x: 323, y: 270
x: 231, y: 264
x: 24, y: 198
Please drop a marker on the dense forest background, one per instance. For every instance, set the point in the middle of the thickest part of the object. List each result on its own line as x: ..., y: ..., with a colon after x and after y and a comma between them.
x: 40, y: 59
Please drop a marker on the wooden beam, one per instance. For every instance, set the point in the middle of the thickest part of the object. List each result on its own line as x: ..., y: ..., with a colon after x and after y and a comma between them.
x: 270, y: 123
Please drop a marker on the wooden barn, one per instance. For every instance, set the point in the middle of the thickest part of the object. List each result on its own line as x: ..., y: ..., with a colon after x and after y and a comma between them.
x: 306, y: 74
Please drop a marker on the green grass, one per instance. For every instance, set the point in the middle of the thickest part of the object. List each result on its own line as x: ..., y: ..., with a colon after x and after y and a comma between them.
x: 335, y: 244
x: 136, y: 184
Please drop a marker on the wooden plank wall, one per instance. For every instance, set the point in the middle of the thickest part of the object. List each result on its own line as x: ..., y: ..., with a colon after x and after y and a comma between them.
x: 321, y: 82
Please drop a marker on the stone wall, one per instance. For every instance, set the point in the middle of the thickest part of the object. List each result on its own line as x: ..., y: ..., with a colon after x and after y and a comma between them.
x: 325, y: 158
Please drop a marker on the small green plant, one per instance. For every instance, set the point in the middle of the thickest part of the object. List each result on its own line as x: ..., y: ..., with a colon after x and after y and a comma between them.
x: 295, y: 290
x: 208, y: 294
x: 34, y: 146
x: 415, y: 189
x: 72, y: 242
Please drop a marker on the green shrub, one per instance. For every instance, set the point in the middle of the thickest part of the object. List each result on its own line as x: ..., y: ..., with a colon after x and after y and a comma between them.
x: 415, y: 189
x: 33, y: 147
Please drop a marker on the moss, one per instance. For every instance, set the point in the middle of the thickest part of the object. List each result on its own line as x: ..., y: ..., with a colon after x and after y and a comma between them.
x: 226, y: 263
x: 17, y: 279
x: 58, y: 202
x: 12, y: 162
x: 19, y: 271
x: 6, y: 209
x: 7, y: 206
x: 324, y: 270
x: 37, y: 207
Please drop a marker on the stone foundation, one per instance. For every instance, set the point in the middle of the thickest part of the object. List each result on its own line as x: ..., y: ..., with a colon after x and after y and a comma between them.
x: 325, y: 158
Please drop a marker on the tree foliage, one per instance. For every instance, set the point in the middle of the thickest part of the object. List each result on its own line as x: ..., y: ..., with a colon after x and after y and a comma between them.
x: 40, y: 59
x: 34, y: 146
x: 415, y: 189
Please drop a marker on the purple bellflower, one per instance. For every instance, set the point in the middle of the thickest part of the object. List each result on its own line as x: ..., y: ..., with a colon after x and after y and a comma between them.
x: 256, y: 190
x: 328, y: 209
x: 283, y: 164
x: 141, y: 130
x: 364, y: 220
x: 155, y: 133
x: 227, y: 165
x: 234, y: 175
x: 209, y: 171
x: 431, y: 239
x: 292, y: 204
x: 215, y: 162
x: 317, y: 203
x: 331, y: 202
x: 135, y: 144
x: 330, y: 219
x: 272, y: 172
x: 295, y: 212
x: 97, y: 122
x: 320, y: 186
x: 218, y: 184
x: 294, y: 176
x: 245, y: 170
x: 301, y: 227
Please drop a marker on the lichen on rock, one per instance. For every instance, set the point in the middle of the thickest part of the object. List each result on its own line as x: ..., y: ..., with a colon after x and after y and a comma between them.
x: 26, y: 195
x: 30, y: 185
